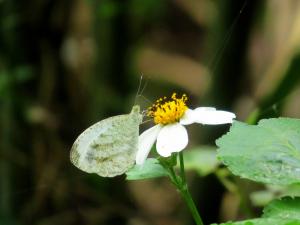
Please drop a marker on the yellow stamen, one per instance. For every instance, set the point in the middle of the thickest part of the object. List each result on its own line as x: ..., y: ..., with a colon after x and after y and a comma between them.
x: 165, y: 112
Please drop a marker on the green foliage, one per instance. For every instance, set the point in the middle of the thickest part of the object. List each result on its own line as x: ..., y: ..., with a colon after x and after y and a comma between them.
x: 268, y: 152
x: 280, y: 212
x: 201, y: 159
x: 263, y: 197
x: 286, y: 208
x: 18, y: 75
x: 150, y: 169
x: 109, y: 9
x: 8, y: 221
x: 266, y: 221
x: 106, y: 46
x: 168, y: 162
x: 148, y: 9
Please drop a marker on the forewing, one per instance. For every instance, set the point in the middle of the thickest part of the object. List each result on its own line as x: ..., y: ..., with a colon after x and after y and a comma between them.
x: 108, y: 147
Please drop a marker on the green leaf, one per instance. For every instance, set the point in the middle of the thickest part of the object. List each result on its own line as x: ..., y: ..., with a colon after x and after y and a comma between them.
x: 264, y: 221
x: 268, y: 152
x: 201, y: 159
x: 291, y: 190
x: 109, y: 9
x: 286, y: 208
x: 263, y: 197
x: 8, y: 221
x: 284, y: 211
x: 150, y: 169
x: 23, y: 73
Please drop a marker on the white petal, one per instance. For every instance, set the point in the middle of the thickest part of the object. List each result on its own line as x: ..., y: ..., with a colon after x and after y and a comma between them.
x: 211, y: 116
x: 188, y: 117
x: 205, y: 109
x: 171, y: 138
x: 146, y: 141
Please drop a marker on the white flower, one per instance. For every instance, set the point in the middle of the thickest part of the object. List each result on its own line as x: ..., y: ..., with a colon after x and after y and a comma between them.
x: 169, y: 132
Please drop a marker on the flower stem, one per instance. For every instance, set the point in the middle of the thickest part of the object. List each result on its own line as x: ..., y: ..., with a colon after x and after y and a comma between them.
x: 189, y: 201
x: 183, y: 188
x: 182, y: 173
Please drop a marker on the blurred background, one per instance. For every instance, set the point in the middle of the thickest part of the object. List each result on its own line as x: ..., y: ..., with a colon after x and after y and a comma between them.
x: 65, y: 65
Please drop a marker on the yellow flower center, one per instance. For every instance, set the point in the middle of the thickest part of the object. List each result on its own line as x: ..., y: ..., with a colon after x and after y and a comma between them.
x: 166, y: 111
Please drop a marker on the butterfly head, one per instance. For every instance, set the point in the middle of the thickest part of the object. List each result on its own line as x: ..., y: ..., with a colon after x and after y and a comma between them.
x: 135, y: 113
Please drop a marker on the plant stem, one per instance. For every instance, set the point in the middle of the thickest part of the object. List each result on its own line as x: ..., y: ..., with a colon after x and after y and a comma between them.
x: 182, y: 186
x: 182, y: 173
x: 189, y: 201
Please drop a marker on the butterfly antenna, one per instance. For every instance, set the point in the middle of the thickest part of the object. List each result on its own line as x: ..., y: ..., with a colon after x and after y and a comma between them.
x: 146, y: 99
x: 217, y: 57
x: 141, y: 90
x: 138, y: 90
x: 146, y: 121
x: 145, y: 85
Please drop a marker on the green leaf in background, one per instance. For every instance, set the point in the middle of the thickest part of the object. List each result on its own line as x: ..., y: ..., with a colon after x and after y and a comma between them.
x: 286, y: 208
x: 109, y: 9
x: 279, y: 212
x: 23, y: 73
x: 202, y: 159
x: 8, y: 221
x: 291, y: 190
x: 264, y: 221
x: 150, y: 169
x: 262, y: 197
x: 268, y: 152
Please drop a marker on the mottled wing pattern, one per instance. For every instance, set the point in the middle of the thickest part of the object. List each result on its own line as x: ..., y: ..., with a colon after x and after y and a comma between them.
x: 108, y: 147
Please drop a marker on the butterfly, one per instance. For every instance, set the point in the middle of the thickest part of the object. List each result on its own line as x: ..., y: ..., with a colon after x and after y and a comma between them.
x: 108, y: 148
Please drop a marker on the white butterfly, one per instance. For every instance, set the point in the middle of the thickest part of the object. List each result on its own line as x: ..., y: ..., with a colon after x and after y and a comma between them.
x: 108, y: 148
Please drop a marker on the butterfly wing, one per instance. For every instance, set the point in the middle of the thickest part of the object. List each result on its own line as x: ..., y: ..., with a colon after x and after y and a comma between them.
x: 108, y: 147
